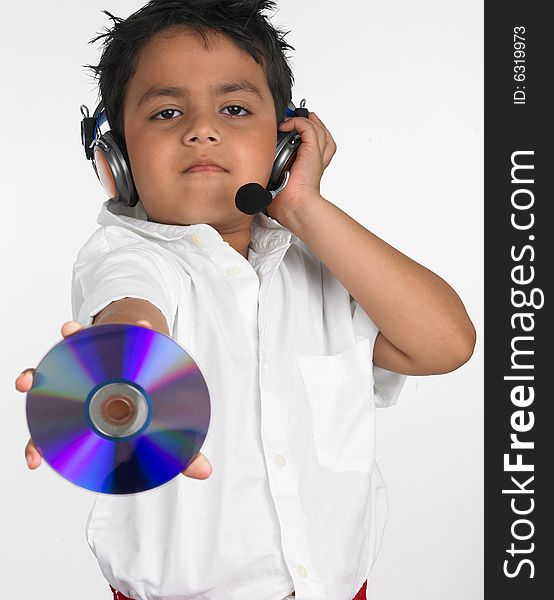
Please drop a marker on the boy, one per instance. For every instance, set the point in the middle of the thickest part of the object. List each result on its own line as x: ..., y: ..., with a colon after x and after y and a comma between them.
x: 303, y: 322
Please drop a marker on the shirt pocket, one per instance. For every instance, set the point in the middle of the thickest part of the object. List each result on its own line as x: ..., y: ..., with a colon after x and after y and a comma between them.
x: 339, y: 389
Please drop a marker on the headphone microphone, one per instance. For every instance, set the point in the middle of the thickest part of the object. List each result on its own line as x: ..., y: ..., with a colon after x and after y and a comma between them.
x: 252, y: 197
x: 110, y: 161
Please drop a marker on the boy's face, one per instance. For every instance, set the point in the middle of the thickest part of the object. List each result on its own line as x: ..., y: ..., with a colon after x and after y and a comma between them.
x: 165, y: 134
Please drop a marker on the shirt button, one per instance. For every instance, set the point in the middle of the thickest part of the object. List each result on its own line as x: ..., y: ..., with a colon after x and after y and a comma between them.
x: 197, y: 239
x: 232, y: 271
x: 302, y: 571
x: 280, y: 460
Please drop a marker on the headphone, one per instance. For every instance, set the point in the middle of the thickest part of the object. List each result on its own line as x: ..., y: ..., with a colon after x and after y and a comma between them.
x: 110, y: 159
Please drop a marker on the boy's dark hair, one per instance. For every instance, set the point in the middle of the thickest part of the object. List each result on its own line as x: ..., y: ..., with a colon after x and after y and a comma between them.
x: 241, y: 20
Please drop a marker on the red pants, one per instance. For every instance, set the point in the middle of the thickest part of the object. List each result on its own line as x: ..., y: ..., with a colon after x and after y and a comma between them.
x: 359, y: 596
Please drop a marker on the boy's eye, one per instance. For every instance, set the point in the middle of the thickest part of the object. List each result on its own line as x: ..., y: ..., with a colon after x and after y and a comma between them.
x: 165, y: 112
x: 239, y: 107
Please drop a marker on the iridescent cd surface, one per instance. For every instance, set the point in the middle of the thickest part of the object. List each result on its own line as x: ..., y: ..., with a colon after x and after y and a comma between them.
x: 118, y: 409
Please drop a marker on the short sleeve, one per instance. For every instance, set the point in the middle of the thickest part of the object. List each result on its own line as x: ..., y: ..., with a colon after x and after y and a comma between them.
x: 387, y: 384
x: 109, y: 268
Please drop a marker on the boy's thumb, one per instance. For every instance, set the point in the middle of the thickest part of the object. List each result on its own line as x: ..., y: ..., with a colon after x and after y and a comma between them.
x: 70, y: 327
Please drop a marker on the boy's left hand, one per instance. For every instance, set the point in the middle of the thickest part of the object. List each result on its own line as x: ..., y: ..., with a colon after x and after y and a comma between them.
x: 313, y: 156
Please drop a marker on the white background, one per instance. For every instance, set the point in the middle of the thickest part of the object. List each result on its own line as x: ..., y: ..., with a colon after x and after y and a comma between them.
x: 399, y: 84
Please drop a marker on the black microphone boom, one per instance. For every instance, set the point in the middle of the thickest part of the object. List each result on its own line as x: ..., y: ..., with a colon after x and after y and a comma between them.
x: 252, y: 198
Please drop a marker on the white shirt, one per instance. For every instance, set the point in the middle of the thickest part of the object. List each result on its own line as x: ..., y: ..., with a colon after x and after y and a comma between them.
x: 295, y: 500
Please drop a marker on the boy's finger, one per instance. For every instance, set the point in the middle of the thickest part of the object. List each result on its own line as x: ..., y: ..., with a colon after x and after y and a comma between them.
x: 32, y: 455
x: 23, y: 382
x: 70, y: 327
x: 199, y: 468
x: 30, y: 448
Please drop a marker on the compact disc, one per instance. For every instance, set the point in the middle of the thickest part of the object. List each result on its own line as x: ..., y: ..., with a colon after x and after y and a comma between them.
x: 118, y: 409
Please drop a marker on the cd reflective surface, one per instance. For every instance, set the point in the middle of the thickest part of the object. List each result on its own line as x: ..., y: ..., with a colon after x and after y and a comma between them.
x: 118, y: 409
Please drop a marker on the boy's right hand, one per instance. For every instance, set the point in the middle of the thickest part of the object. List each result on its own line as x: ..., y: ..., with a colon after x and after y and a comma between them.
x: 199, y: 468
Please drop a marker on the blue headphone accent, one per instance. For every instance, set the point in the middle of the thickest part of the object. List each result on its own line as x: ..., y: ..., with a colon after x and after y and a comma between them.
x: 290, y: 112
x: 110, y: 160
x: 100, y: 120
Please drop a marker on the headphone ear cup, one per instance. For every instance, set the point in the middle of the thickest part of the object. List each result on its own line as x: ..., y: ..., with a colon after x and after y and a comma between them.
x: 111, y: 163
x: 288, y: 143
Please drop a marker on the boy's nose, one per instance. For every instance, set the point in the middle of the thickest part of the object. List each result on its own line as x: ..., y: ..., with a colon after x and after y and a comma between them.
x: 201, y: 138
x: 200, y: 127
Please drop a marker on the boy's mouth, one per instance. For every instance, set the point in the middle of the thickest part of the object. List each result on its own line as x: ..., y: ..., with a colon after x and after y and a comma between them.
x: 205, y: 168
x: 204, y: 165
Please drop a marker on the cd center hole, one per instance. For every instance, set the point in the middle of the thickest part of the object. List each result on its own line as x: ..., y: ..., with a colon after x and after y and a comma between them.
x: 118, y: 410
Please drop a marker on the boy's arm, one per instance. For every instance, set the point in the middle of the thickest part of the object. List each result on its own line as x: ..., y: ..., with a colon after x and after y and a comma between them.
x: 424, y: 327
x: 130, y: 311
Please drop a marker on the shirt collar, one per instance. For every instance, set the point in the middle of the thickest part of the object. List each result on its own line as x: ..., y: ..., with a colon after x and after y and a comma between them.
x: 266, y: 231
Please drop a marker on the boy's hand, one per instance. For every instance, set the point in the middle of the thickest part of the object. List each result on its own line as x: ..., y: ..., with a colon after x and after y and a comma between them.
x: 313, y: 156
x: 199, y: 468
